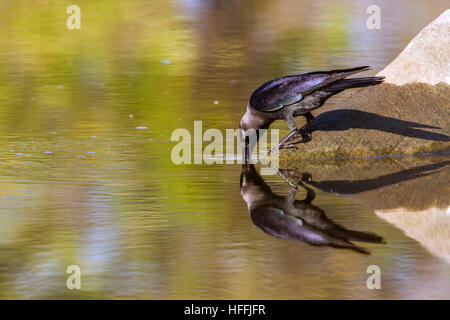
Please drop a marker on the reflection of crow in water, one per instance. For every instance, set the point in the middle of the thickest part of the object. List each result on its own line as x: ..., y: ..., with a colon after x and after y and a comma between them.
x: 357, y: 186
x: 287, y: 218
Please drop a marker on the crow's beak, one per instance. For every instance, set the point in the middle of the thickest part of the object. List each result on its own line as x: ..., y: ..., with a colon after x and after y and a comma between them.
x: 247, y: 150
x: 246, y: 141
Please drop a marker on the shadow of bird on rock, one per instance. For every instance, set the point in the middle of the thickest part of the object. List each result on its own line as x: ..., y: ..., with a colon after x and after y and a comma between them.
x: 345, y: 119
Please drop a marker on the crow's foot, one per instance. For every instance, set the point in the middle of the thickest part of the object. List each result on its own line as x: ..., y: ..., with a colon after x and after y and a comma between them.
x: 284, y: 144
x: 285, y: 178
x: 289, y: 146
x: 292, y: 135
x: 306, y: 177
x: 306, y: 137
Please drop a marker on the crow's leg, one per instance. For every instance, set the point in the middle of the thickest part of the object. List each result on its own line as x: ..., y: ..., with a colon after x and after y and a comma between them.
x: 292, y: 135
x: 304, y: 132
x: 309, y: 117
x: 296, y: 132
x: 290, y: 198
x: 289, y: 118
x: 310, y: 194
x: 306, y: 128
x: 283, y: 176
x: 306, y: 136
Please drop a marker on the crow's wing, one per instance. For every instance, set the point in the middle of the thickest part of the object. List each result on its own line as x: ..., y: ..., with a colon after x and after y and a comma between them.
x: 275, y: 94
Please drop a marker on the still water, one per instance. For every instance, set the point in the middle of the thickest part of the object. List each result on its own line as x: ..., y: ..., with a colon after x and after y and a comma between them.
x: 87, y: 179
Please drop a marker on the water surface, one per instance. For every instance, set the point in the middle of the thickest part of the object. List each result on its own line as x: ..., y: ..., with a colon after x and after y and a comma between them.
x: 86, y: 176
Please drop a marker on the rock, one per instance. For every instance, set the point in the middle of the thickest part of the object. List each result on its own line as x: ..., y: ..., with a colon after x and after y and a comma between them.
x: 382, y: 120
x: 411, y: 183
x: 388, y: 119
x: 426, y: 58
x: 431, y: 228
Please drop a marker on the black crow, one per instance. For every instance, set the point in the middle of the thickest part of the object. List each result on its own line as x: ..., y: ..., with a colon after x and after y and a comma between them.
x: 292, y: 96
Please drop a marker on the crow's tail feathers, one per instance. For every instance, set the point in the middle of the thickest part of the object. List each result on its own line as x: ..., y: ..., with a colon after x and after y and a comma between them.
x: 355, y: 83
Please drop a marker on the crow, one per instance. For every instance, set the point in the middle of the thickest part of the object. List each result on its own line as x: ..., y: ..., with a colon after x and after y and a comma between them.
x: 292, y: 96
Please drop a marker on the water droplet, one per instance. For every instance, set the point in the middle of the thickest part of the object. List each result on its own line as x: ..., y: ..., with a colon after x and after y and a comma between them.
x: 166, y: 61
x: 141, y: 128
